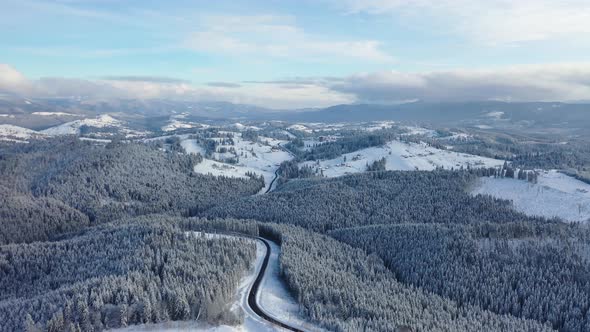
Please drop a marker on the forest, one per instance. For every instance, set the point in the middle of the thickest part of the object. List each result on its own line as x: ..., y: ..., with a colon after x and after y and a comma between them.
x: 525, y: 270
x: 151, y: 272
x: 391, y: 197
x: 55, y: 186
x: 341, y: 288
x: 93, y: 236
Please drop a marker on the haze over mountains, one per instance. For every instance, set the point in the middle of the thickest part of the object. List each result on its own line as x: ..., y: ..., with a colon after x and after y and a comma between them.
x: 42, y: 113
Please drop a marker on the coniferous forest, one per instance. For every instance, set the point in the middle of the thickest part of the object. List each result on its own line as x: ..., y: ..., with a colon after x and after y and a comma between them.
x: 100, y: 236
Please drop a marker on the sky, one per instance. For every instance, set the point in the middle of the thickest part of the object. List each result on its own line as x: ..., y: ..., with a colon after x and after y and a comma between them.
x: 297, y: 53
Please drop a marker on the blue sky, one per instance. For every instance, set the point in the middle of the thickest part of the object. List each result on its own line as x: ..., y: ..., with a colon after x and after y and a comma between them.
x: 314, y: 48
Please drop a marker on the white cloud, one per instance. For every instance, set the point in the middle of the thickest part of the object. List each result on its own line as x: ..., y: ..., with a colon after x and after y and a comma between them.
x: 552, y: 82
x: 11, y: 80
x: 276, y: 36
x: 491, y: 21
x: 272, y: 95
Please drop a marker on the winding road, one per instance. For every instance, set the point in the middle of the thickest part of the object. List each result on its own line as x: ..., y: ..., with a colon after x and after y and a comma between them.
x: 273, y: 181
x: 256, y: 286
x: 277, y: 170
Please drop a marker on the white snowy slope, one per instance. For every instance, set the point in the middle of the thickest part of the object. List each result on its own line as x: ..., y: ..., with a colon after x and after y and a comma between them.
x: 401, y: 156
x: 16, y: 133
x: 174, y: 124
x: 191, y: 146
x: 554, y: 195
x: 299, y: 127
x: 53, y: 114
x: 262, y: 157
x: 73, y: 127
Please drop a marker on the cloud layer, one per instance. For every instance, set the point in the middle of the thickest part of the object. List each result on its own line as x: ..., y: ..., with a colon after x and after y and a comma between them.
x: 555, y: 82
x: 146, y: 87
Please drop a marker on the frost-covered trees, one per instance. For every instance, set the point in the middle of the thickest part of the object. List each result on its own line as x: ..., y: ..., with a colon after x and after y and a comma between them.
x: 59, y: 185
x: 343, y: 289
x: 141, y: 270
x: 373, y: 198
x: 377, y: 165
x: 535, y: 271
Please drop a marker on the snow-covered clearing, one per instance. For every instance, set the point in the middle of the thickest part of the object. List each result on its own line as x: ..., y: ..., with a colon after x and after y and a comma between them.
x: 262, y: 157
x: 299, y: 127
x: 456, y: 137
x: 174, y: 124
x: 380, y: 125
x: 419, y: 131
x: 240, y: 127
x: 554, y: 195
x: 11, y: 116
x: 191, y: 146
x: 401, y: 156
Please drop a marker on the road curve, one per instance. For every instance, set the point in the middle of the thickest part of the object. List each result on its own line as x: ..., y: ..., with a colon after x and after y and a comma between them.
x: 277, y: 170
x: 256, y: 286
x: 258, y: 282
x: 273, y: 181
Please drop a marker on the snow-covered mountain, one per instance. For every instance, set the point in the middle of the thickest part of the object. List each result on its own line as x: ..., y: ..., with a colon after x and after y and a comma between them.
x: 73, y: 127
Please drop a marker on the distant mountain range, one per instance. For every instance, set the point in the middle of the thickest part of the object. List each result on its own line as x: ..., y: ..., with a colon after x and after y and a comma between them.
x: 540, y: 113
x: 40, y: 114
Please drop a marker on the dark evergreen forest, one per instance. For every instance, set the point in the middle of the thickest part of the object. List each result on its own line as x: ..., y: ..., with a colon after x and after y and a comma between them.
x: 96, y: 236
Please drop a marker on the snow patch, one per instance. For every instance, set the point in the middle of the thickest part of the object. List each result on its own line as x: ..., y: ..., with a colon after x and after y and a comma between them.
x: 53, y: 114
x: 10, y: 133
x: 419, y: 131
x: 73, y: 127
x: 174, y: 124
x: 401, y: 156
x: 262, y: 157
x: 496, y: 115
x: 191, y: 146
x: 554, y: 195
x: 299, y: 127
x: 483, y: 127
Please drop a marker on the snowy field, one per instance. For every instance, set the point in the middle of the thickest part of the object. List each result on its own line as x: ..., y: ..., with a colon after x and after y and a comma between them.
x: 191, y: 146
x: 555, y: 195
x: 401, y: 156
x: 262, y: 157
